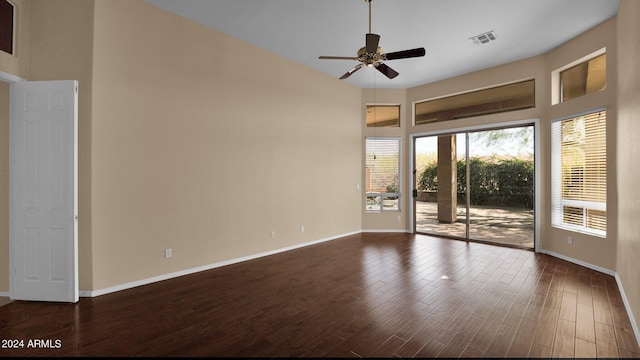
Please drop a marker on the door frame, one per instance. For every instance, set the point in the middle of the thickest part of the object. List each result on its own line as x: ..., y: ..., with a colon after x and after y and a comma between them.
x: 8, y: 79
x: 536, y: 159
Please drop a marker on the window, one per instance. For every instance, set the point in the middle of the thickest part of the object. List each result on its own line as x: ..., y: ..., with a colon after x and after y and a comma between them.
x: 582, y: 79
x: 6, y: 26
x: 382, y: 179
x: 511, y: 97
x: 383, y: 115
x: 579, y: 173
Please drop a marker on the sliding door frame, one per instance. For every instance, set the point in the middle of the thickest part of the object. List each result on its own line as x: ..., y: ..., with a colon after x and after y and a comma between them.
x: 536, y: 159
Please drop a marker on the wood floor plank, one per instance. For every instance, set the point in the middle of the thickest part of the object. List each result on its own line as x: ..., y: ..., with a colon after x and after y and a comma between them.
x: 501, y: 342
x: 365, y: 295
x: 522, y: 341
x: 585, y: 324
x: 568, y: 306
x: 546, y: 330
x: 430, y: 350
x: 606, y: 345
x: 565, y: 340
x: 459, y: 341
x: 540, y: 352
x: 472, y: 352
x: 585, y: 349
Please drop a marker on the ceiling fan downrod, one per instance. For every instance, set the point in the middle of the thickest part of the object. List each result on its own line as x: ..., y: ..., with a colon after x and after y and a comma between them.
x: 369, y: 1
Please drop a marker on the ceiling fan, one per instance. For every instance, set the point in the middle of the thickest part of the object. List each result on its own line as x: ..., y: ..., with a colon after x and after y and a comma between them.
x: 372, y: 55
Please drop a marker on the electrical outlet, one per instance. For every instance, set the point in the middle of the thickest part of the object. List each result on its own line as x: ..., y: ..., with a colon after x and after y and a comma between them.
x: 399, y: 217
x: 273, y: 234
x: 302, y: 228
x: 569, y: 240
x: 167, y: 253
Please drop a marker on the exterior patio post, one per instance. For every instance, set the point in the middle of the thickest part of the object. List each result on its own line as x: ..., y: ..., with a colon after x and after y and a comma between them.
x: 447, y: 179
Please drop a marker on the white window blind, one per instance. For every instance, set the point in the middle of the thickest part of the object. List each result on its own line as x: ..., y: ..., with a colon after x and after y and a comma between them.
x: 579, y: 173
x: 382, y: 180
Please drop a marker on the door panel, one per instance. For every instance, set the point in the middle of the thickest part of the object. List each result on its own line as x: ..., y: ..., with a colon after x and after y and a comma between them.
x: 501, y: 207
x: 439, y: 210
x: 43, y: 191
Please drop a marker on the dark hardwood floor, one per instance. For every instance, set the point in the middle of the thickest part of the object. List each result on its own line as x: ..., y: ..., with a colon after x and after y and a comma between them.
x: 368, y: 295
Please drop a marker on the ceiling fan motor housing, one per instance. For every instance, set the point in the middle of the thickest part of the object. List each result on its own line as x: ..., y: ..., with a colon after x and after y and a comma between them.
x: 370, y: 59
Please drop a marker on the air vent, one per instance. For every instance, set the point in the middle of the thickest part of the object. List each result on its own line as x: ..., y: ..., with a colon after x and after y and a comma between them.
x: 483, y: 38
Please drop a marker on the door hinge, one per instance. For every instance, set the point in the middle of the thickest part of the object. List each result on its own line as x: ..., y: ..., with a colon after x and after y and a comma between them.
x: 415, y: 193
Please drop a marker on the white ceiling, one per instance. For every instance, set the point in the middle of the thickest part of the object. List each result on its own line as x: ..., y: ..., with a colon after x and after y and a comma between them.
x: 302, y: 30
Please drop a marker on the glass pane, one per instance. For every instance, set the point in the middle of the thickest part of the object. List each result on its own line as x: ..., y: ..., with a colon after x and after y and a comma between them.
x: 382, y: 165
x: 390, y: 203
x: 597, y: 219
x: 373, y: 203
x: 383, y: 115
x: 573, y: 215
x: 440, y: 180
x: 502, y: 186
x: 584, y: 78
x: 482, y: 102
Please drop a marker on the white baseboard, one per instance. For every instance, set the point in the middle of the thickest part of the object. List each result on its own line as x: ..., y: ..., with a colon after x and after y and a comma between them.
x: 4, y: 293
x: 129, y: 285
x: 627, y: 307
x: 579, y: 262
x: 387, y: 231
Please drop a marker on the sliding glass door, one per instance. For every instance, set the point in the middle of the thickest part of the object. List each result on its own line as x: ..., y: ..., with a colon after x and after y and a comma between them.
x: 476, y: 185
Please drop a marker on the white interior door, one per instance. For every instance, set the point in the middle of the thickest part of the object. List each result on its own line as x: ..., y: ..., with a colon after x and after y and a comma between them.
x: 43, y: 191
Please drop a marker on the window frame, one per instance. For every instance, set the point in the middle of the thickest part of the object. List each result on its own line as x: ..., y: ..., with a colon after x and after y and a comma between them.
x: 558, y: 204
x: 384, y: 195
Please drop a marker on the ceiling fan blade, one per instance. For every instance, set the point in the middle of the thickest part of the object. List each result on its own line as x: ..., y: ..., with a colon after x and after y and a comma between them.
x: 405, y: 54
x: 337, y: 58
x: 354, y: 69
x: 372, y: 41
x: 387, y: 71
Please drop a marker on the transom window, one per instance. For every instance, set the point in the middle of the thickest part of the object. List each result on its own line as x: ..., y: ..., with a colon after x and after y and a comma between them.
x: 585, y: 78
x: 498, y: 99
x: 383, y: 115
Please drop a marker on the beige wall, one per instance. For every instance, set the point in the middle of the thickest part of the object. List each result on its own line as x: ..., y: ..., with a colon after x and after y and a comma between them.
x: 628, y: 164
x: 62, y: 50
x: 206, y: 145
